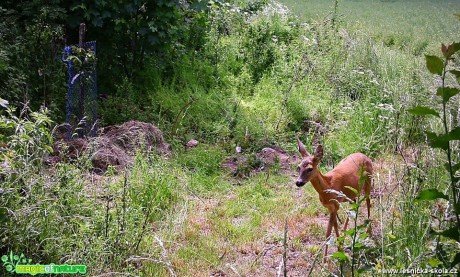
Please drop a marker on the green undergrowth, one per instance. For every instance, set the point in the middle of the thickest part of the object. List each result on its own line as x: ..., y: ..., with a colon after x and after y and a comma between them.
x: 256, y: 78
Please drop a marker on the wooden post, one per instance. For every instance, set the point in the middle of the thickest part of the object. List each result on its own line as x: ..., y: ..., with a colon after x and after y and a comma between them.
x: 81, y: 37
x: 81, y: 96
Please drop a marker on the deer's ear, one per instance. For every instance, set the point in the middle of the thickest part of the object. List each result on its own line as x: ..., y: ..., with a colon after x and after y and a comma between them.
x: 318, y: 153
x: 302, y: 149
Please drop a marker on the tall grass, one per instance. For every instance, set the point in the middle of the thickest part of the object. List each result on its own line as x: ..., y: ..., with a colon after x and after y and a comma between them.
x: 64, y: 215
x: 255, y: 78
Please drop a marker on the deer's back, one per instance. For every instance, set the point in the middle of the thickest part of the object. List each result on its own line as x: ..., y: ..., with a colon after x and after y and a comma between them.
x: 346, y: 173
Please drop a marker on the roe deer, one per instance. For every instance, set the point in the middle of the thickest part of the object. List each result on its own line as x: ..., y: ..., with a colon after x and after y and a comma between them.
x: 344, y: 175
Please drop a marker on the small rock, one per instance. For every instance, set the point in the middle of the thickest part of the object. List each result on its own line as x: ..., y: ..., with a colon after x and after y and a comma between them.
x: 191, y: 144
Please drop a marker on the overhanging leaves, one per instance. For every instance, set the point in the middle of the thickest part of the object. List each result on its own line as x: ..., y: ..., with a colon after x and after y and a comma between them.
x: 419, y: 110
x: 447, y: 93
x: 434, y: 64
x: 431, y: 194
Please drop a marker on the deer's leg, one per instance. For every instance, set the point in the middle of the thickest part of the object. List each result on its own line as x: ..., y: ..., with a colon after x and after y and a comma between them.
x: 346, y: 223
x: 367, y: 191
x: 336, y: 225
x: 368, y: 203
x: 332, y: 218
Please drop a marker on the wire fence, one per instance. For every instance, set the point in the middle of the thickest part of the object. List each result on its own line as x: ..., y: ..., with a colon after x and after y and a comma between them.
x: 81, y: 98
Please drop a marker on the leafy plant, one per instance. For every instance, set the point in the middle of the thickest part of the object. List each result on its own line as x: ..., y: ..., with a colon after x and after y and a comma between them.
x: 445, y: 141
x: 27, y: 139
x: 357, y: 235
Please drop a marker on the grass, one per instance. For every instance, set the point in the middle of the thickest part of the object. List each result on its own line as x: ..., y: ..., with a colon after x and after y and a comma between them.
x: 257, y: 81
x: 414, y: 25
x: 232, y: 230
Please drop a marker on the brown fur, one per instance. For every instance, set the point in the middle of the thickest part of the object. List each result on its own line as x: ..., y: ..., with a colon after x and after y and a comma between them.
x: 346, y: 173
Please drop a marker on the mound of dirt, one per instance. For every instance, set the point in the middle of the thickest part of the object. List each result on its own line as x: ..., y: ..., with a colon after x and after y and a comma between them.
x: 243, y: 165
x: 270, y: 156
x: 115, y: 145
x: 106, y: 153
x: 134, y: 134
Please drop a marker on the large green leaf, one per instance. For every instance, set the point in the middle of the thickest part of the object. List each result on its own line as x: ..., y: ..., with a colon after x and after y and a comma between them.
x: 455, y: 167
x: 434, y: 64
x: 436, y: 141
x: 359, y: 245
x: 431, y: 194
x: 453, y: 48
x: 340, y: 256
x: 433, y: 262
x: 448, y: 51
x: 423, y: 111
x: 451, y: 233
x: 456, y: 260
x: 454, y: 134
x: 442, y: 141
x: 447, y: 93
x: 456, y: 73
x: 457, y: 208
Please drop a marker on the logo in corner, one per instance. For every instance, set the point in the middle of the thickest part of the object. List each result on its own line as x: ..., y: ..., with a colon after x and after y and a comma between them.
x: 21, y: 265
x: 10, y: 262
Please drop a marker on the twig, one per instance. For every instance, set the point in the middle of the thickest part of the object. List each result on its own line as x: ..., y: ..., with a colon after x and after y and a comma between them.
x: 315, y: 259
x: 182, y: 110
x: 262, y: 254
x: 194, y: 194
x: 140, y: 259
x: 280, y: 266
x: 164, y: 253
x: 285, y: 247
x: 233, y: 269
x: 144, y: 227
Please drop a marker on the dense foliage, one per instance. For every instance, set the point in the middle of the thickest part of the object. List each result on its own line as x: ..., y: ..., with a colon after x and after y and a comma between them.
x: 33, y: 34
x: 233, y: 75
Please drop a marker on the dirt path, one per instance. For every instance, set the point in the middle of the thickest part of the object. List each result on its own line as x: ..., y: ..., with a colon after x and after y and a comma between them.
x: 247, y: 233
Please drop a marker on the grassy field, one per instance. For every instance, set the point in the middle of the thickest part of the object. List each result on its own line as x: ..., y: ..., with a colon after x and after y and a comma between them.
x: 419, y: 25
x: 259, y: 80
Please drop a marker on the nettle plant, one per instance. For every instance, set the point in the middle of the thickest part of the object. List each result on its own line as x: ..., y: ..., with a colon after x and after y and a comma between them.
x: 447, y: 250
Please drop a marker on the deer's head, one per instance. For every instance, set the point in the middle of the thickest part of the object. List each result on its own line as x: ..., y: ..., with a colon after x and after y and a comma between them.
x: 308, y: 168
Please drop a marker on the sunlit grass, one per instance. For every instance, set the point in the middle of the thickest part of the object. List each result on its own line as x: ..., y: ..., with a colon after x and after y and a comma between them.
x: 419, y: 25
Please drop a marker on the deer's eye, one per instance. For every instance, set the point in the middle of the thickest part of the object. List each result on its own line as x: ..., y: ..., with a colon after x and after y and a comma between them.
x: 309, y: 169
